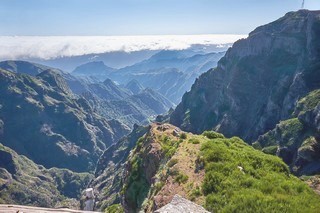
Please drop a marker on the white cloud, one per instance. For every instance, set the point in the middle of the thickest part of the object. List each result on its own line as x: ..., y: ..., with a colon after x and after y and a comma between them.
x: 49, y: 47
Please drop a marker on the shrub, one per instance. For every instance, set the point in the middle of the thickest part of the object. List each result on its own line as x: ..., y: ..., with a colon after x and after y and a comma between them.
x: 181, y: 178
x: 194, y: 141
x: 115, y: 208
x: 212, y: 134
x: 172, y: 162
x: 183, y: 136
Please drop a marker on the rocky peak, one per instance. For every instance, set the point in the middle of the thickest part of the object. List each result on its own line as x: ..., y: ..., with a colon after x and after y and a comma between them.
x: 259, y: 80
x: 55, y: 80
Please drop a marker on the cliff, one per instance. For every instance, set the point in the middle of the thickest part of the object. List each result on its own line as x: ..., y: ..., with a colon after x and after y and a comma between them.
x: 259, y: 80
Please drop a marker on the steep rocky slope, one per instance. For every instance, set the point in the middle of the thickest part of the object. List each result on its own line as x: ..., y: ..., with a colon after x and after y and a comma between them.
x: 259, y: 80
x: 26, y: 183
x: 296, y: 140
x: 43, y: 120
x: 221, y: 174
x: 111, y: 166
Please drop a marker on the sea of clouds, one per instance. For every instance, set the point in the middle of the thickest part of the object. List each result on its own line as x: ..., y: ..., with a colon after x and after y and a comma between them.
x: 51, y: 47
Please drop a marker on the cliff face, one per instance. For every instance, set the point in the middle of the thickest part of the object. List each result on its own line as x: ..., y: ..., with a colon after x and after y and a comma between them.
x: 259, y: 80
x: 110, y: 169
x: 297, y: 140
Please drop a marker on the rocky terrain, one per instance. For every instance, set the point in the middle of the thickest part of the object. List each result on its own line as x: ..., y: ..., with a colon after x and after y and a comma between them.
x: 221, y: 174
x: 258, y: 82
x: 180, y: 205
x: 296, y: 140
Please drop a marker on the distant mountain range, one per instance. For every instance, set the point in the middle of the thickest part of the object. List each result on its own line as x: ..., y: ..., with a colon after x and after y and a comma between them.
x: 171, y: 73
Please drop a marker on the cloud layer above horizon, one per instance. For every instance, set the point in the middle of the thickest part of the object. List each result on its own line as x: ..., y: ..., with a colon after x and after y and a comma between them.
x: 50, y: 47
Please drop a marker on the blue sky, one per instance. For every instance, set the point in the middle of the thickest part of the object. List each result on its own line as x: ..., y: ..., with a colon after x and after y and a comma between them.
x: 141, y: 17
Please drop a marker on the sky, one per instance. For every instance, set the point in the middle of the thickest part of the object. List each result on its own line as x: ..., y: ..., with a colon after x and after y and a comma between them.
x: 140, y: 17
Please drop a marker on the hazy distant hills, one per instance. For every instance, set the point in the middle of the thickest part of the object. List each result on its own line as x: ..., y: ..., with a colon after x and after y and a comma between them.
x: 170, y: 72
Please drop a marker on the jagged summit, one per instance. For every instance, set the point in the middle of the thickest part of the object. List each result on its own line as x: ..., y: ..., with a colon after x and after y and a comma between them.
x: 259, y: 80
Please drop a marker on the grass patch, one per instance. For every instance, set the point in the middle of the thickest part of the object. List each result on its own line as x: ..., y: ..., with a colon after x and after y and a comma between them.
x: 212, y: 134
x: 194, y: 141
x: 264, y: 184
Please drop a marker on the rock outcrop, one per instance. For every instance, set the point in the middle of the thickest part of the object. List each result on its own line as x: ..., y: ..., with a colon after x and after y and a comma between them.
x: 259, y: 80
x: 180, y: 205
x: 297, y: 140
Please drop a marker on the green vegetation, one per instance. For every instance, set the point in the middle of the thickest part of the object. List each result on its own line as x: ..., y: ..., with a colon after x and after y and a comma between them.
x: 183, y: 136
x: 172, y: 162
x: 35, y: 185
x: 169, y: 146
x: 212, y: 134
x: 288, y: 134
x: 137, y: 186
x: 271, y: 150
x: 181, y: 178
x: 194, y: 141
x: 239, y: 178
x: 195, y: 193
x: 115, y: 208
x: 309, y: 102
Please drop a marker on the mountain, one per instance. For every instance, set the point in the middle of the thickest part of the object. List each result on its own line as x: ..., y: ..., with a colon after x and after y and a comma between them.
x: 258, y: 82
x: 221, y: 174
x: 23, y: 67
x: 106, y: 98
x: 134, y: 86
x: 43, y: 120
x: 134, y: 109
x: 108, y: 90
x: 96, y: 69
x: 26, y: 183
x: 296, y: 140
x: 78, y: 85
x: 169, y: 72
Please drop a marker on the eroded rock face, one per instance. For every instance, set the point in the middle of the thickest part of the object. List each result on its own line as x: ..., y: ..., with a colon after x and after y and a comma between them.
x: 296, y: 140
x: 181, y: 205
x: 259, y: 80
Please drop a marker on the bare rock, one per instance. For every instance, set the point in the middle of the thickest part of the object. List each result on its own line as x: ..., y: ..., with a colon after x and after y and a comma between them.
x: 181, y: 205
